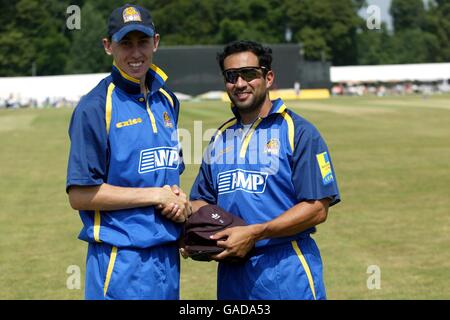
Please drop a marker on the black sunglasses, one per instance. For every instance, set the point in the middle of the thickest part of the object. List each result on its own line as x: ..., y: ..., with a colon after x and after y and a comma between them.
x: 246, y: 73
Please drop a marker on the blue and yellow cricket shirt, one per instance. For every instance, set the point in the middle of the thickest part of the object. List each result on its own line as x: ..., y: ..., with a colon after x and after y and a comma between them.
x: 124, y: 138
x: 259, y: 173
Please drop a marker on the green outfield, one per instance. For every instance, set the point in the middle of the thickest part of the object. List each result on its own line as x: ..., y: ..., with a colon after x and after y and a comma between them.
x: 392, y: 162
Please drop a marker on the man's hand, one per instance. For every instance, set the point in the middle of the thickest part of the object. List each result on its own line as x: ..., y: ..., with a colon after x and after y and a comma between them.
x: 239, y: 241
x: 174, y: 204
x: 181, y: 248
x: 188, y: 208
x: 184, y: 253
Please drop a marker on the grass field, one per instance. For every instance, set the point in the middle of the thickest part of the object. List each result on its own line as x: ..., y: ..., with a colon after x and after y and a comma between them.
x: 392, y: 162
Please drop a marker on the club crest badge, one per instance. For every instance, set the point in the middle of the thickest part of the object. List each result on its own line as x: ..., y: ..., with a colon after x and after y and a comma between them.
x: 272, y: 147
x: 130, y: 14
x: 167, y: 121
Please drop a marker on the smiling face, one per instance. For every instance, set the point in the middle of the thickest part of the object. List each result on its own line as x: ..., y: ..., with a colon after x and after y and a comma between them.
x: 134, y: 53
x: 248, y: 96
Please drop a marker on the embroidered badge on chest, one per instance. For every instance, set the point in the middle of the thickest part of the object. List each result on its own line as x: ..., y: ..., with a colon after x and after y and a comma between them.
x: 272, y: 147
x: 167, y: 121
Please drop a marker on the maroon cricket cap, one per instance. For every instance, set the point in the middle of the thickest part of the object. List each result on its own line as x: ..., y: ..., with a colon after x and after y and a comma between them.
x: 202, y: 224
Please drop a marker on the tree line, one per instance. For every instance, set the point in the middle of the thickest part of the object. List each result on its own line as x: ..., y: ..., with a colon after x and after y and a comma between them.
x: 35, y: 40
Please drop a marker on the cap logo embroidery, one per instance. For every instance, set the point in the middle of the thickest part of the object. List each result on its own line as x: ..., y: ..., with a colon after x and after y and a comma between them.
x: 130, y: 14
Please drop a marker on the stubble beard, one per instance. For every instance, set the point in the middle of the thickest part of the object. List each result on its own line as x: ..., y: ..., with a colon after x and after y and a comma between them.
x: 256, y: 105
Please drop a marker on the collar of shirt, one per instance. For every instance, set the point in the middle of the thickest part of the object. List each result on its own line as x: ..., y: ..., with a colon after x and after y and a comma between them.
x: 278, y: 107
x: 155, y: 80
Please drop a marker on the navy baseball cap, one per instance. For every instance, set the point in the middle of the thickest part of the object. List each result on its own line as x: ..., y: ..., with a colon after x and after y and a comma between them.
x: 130, y: 18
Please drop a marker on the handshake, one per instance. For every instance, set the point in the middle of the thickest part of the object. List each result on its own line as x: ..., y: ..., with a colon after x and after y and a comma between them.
x: 174, y: 204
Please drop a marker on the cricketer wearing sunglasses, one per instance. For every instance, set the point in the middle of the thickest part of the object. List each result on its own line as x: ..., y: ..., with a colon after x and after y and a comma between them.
x: 281, y: 203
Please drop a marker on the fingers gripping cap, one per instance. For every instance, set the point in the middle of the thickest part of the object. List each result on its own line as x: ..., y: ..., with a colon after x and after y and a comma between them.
x: 130, y: 18
x: 207, y: 221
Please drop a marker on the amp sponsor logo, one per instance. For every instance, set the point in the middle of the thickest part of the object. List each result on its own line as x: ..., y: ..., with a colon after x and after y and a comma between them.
x: 158, y: 158
x: 244, y: 180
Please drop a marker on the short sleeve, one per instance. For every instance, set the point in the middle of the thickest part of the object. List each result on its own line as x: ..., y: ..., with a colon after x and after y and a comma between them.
x: 176, y: 104
x: 313, y: 173
x: 181, y: 166
x: 203, y: 188
x: 176, y: 107
x: 87, y: 163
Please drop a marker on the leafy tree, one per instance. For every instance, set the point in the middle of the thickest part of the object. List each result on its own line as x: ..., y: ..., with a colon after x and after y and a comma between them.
x: 314, y: 44
x: 327, y: 25
x: 183, y: 22
x: 6, y: 15
x: 422, y: 49
x: 262, y: 20
x: 230, y: 30
x: 33, y: 35
x: 375, y: 46
x: 438, y: 24
x: 407, y: 14
x: 16, y: 55
x: 86, y: 53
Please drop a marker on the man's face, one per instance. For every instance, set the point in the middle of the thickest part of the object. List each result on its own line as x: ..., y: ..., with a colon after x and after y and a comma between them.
x: 249, y: 95
x: 133, y: 53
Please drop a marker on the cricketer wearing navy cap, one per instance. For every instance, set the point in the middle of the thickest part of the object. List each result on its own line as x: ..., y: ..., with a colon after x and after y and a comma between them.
x: 130, y: 18
x: 124, y: 167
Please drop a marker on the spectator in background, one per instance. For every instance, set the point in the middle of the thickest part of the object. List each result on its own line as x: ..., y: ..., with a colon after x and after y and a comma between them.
x: 297, y: 89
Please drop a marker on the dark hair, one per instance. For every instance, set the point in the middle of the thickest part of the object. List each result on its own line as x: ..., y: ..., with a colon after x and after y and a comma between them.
x: 264, y: 54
